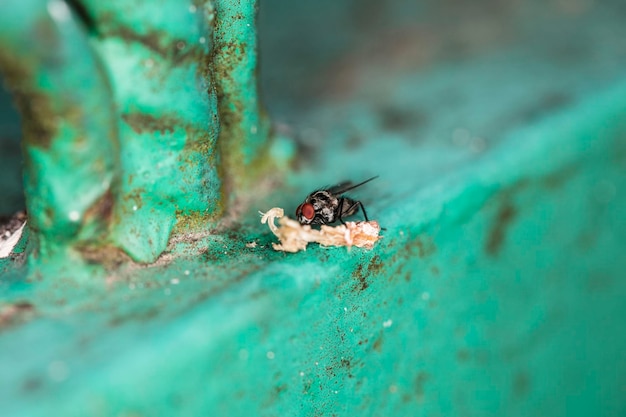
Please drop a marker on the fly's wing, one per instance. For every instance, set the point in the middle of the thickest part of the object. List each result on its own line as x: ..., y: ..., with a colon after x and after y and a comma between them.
x: 347, y: 186
x: 340, y: 188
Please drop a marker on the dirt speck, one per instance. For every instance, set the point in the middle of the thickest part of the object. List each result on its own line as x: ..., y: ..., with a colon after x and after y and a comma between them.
x: 497, y: 235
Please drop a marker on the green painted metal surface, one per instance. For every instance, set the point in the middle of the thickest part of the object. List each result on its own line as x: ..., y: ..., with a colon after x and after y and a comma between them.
x: 497, y: 290
x: 121, y: 118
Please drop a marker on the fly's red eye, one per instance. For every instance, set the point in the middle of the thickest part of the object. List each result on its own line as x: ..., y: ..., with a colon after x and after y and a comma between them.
x: 307, y: 211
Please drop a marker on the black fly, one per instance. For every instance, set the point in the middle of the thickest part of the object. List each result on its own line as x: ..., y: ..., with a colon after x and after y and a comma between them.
x: 329, y: 205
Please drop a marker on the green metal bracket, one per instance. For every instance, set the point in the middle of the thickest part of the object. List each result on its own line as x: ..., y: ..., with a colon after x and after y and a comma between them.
x: 122, y: 106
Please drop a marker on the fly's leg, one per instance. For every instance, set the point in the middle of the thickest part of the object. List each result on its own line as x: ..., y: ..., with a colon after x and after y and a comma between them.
x: 354, y: 205
x: 340, y: 211
x: 363, y: 210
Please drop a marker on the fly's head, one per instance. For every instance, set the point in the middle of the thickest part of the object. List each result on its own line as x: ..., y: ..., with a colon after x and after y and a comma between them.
x: 305, y: 213
x: 320, y: 207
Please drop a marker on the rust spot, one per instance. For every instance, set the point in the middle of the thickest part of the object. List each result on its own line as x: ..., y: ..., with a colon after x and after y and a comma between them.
x: 463, y: 355
x: 175, y: 50
x: 559, y: 178
x: 345, y: 363
x: 397, y: 119
x: 279, y: 389
x: 146, y: 123
x: 32, y: 384
x: 361, y: 277
x: 521, y: 384
x: 109, y: 257
x: 16, y: 313
x: 419, y: 382
x: 354, y: 141
x: 497, y: 235
x: 144, y: 315
x: 425, y: 246
x: 102, y: 208
x: 375, y: 265
x: 38, y: 117
x: 378, y: 344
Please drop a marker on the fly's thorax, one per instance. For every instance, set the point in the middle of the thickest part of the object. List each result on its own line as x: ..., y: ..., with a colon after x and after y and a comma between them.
x: 325, y: 205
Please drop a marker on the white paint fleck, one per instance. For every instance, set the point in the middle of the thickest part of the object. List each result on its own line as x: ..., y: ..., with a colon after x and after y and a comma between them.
x: 135, y: 208
x: 254, y: 129
x: 148, y: 63
x: 174, y: 281
x: 301, y: 373
x: 74, y: 215
x: 251, y: 245
x: 387, y: 323
x: 186, y: 272
x: 270, y: 355
x: 58, y: 10
x: 192, y: 9
x: 202, y: 39
x: 345, y: 309
x: 6, y: 246
x: 58, y: 371
x: 425, y: 296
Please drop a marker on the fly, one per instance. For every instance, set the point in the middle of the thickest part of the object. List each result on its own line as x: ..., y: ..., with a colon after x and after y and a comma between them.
x: 329, y: 205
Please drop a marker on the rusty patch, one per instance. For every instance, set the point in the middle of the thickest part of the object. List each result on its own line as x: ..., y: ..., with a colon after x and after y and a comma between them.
x: 38, y: 118
x: 497, y: 235
x: 420, y: 381
x: 521, y: 384
x: 463, y: 355
x: 159, y: 42
x: 16, y: 313
x: 135, y: 316
x: 378, y: 344
x: 101, y: 209
x: 32, y: 384
x: 398, y: 119
x: 361, y: 277
x: 146, y: 123
x: 375, y: 266
x: 110, y: 257
x: 559, y: 178
x: 425, y: 246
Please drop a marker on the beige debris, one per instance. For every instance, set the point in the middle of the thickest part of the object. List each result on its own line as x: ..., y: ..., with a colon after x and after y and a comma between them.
x: 295, y: 237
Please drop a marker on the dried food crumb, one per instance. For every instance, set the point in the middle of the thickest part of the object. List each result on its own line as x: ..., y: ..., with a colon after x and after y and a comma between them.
x: 295, y: 237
